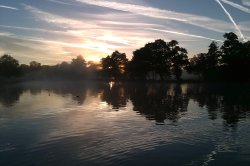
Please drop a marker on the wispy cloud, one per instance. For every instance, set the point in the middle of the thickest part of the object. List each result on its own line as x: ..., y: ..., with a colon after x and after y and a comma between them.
x: 5, y: 34
x: 48, y: 48
x: 8, y: 7
x: 199, y: 21
x: 32, y: 29
x: 26, y: 50
x: 237, y: 6
x: 91, y: 22
x: 246, y: 2
x: 129, y: 24
x: 232, y: 20
x: 147, y: 11
x: 244, y: 26
x: 100, y: 22
x: 186, y: 34
x: 99, y: 29
x: 52, y: 18
x: 61, y: 2
x: 98, y: 32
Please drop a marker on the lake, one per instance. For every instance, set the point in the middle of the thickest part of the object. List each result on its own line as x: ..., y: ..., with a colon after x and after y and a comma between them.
x: 77, y: 123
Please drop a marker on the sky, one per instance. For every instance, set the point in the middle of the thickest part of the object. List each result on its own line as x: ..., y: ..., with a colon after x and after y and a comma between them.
x: 52, y: 31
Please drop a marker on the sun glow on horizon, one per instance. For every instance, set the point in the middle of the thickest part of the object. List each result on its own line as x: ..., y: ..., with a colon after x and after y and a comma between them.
x: 94, y: 59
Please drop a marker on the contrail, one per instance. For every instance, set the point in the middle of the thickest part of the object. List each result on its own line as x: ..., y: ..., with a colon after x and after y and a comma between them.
x: 184, y: 34
x: 8, y: 7
x: 237, y: 6
x: 60, y: 2
x: 232, y: 20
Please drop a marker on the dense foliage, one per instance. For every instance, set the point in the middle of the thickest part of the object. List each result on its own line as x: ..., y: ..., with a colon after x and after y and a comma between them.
x: 8, y: 66
x: 230, y: 62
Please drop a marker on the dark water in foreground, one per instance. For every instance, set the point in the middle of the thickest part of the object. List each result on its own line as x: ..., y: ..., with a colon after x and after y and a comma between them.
x: 45, y: 124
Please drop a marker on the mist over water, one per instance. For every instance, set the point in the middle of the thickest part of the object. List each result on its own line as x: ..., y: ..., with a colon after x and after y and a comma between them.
x: 80, y: 123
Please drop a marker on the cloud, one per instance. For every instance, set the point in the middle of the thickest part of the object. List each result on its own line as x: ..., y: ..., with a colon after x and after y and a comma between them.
x: 87, y: 21
x: 98, y: 22
x: 8, y: 7
x: 244, y: 27
x: 199, y: 21
x: 246, y: 2
x: 60, y: 2
x: 89, y: 44
x: 5, y: 34
x: 186, y: 34
x: 147, y: 11
x: 112, y: 32
x: 237, y: 6
x: 55, y: 19
x: 101, y: 40
x: 50, y: 51
x: 95, y: 35
x: 26, y: 51
x: 232, y: 20
x: 32, y: 29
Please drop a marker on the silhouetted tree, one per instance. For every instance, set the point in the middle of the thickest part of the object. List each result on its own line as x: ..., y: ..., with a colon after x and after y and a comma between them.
x: 93, y: 70
x: 206, y: 64
x: 64, y: 66
x: 230, y: 62
x: 78, y: 62
x: 213, y: 55
x: 230, y: 49
x: 152, y: 58
x: 179, y: 58
x: 9, y: 66
x: 24, y: 68
x: 197, y: 64
x: 78, y: 66
x: 114, y: 66
x: 235, y: 58
x: 159, y: 58
x: 212, y: 70
x: 140, y: 65
x: 35, y: 65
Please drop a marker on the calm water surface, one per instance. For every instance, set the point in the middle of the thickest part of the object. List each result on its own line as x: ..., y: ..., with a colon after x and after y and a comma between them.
x: 124, y: 124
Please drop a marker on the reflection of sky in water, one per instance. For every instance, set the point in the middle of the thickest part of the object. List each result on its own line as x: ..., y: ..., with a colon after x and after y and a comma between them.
x: 61, y: 125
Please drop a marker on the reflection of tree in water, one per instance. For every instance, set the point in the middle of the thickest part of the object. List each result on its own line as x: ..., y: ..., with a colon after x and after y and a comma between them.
x: 10, y: 95
x: 229, y: 101
x: 155, y: 101
x: 77, y: 90
x: 235, y: 107
x: 116, y: 96
x: 158, y: 101
x: 205, y: 97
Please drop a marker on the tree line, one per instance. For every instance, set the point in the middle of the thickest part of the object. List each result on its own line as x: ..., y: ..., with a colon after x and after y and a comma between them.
x: 158, y: 60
